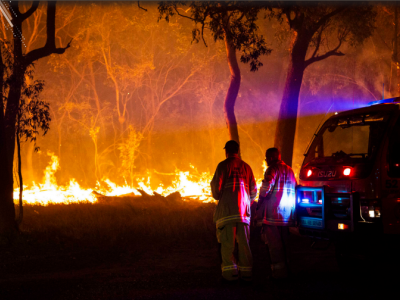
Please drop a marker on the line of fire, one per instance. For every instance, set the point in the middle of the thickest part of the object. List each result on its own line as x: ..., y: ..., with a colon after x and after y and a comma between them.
x: 114, y: 117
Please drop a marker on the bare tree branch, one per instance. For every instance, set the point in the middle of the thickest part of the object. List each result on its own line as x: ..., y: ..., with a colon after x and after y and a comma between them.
x: 29, y: 12
x: 241, y: 17
x: 138, y: 4
x: 50, y: 46
x: 202, y: 34
x: 179, y: 14
x: 333, y: 52
x: 251, y: 139
x: 318, y: 43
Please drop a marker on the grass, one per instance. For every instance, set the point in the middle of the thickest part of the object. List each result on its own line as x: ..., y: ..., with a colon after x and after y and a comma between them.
x: 118, y: 222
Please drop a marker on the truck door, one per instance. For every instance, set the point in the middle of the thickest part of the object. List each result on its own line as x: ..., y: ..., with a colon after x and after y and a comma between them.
x: 391, y: 183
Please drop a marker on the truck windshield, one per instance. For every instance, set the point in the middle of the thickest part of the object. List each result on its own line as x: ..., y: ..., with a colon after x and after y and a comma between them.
x: 349, y: 139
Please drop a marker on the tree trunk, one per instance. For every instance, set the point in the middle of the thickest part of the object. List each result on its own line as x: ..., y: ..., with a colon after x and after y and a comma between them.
x: 96, y: 96
x: 7, y: 210
x: 233, y: 90
x: 7, y: 140
x: 395, y: 57
x: 30, y: 173
x: 8, y: 120
x: 211, y: 133
x: 286, y: 126
x: 21, y: 183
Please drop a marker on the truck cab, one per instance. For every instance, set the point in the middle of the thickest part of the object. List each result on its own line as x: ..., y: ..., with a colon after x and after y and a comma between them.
x: 349, y: 180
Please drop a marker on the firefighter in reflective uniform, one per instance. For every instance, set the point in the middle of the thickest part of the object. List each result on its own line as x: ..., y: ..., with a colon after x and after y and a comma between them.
x: 234, y: 186
x: 275, y: 209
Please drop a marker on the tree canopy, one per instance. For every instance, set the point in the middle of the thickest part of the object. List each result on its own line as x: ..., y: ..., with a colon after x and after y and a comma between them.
x: 235, y: 20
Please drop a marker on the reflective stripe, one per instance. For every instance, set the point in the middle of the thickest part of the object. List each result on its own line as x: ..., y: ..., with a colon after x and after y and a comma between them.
x: 278, y: 266
x: 239, y: 218
x: 275, y: 222
x: 229, y: 268
x: 245, y: 269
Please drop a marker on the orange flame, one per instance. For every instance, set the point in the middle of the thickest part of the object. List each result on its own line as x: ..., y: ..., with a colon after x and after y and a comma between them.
x: 190, y: 184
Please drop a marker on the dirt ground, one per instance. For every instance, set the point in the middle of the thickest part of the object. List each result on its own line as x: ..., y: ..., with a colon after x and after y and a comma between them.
x: 185, y: 270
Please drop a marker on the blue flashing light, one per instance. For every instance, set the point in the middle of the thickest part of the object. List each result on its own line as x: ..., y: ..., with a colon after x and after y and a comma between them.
x: 390, y: 100
x: 305, y: 200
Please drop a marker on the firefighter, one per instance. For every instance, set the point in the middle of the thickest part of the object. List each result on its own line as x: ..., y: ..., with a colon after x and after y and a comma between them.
x: 275, y: 209
x: 234, y: 186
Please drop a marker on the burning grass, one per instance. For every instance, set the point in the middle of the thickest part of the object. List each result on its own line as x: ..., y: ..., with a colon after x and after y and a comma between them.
x: 190, y: 184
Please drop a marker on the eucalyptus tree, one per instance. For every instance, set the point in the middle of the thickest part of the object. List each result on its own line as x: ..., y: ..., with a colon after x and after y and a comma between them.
x: 234, y: 23
x: 320, y: 30
x: 12, y: 89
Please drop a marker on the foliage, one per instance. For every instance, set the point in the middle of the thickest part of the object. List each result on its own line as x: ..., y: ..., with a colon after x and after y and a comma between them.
x: 235, y: 20
x: 33, y: 113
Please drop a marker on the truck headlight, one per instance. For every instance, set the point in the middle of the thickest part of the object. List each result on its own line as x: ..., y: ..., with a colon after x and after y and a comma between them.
x: 371, y: 209
x: 371, y: 213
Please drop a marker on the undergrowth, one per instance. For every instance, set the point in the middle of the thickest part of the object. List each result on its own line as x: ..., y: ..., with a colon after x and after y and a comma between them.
x: 119, y: 222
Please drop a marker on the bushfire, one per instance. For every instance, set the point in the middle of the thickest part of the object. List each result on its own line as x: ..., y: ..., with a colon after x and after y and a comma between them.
x: 191, y: 185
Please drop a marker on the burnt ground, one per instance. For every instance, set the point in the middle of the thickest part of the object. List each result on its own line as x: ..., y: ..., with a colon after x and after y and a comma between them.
x: 184, y: 270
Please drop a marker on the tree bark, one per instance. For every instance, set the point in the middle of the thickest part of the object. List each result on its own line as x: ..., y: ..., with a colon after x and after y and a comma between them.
x: 7, y: 210
x: 8, y: 226
x: 233, y: 90
x: 286, y: 126
x: 21, y: 183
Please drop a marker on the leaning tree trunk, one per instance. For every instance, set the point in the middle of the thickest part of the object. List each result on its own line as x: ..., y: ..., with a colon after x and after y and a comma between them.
x: 233, y: 90
x: 286, y: 126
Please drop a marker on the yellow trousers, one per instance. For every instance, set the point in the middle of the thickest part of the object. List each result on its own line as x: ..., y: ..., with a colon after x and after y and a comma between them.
x: 241, y: 265
x: 277, y: 237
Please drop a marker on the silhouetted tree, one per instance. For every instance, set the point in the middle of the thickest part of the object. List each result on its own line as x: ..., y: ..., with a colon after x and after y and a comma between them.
x: 8, y: 117
x: 316, y: 27
x: 234, y: 23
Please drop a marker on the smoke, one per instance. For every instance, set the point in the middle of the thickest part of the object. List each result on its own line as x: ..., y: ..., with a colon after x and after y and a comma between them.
x: 130, y: 70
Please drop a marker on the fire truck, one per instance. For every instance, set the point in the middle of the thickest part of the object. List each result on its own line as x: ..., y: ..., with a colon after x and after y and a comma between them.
x: 349, y: 181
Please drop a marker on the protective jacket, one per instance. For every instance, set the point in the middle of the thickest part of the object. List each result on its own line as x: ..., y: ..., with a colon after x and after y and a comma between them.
x: 276, y: 204
x: 234, y: 186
